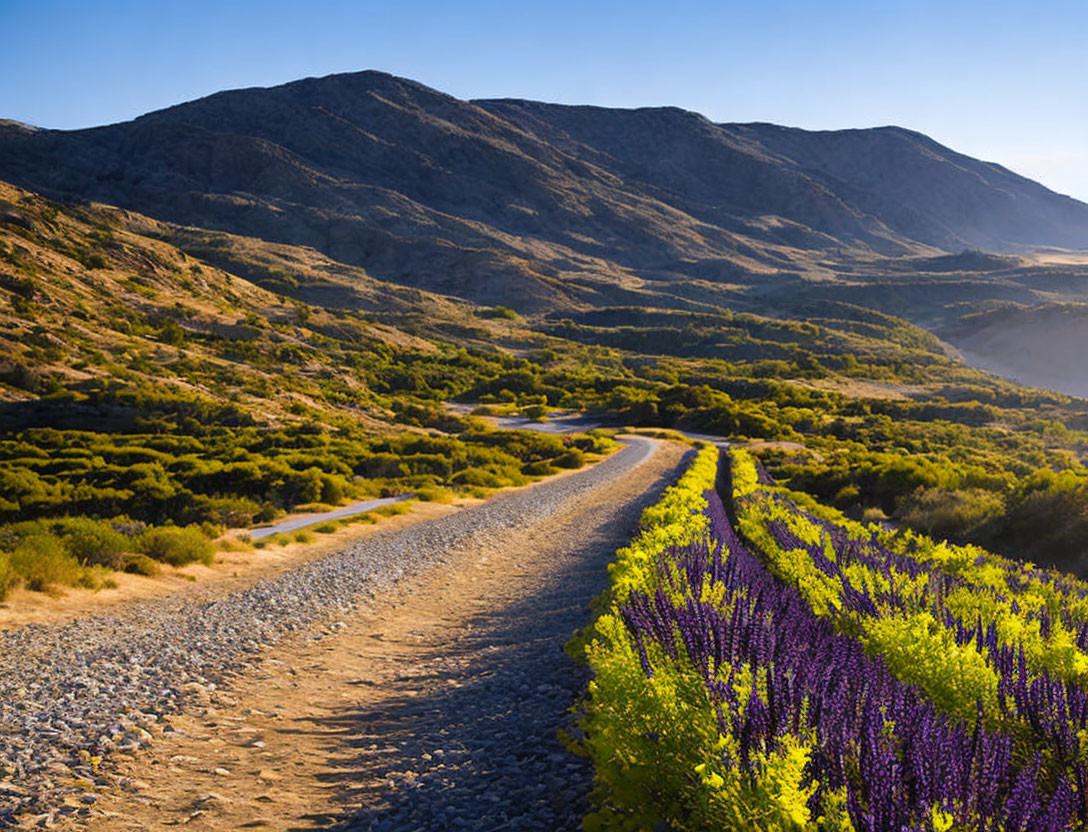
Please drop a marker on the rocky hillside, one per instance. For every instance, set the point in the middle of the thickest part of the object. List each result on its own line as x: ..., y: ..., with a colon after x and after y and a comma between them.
x: 102, y: 321
x: 541, y: 206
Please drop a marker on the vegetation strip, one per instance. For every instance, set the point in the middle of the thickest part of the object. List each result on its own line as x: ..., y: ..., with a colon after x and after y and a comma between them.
x: 83, y: 504
x: 833, y: 677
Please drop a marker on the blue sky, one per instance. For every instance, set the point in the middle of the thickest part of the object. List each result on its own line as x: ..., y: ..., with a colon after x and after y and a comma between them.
x: 1007, y: 82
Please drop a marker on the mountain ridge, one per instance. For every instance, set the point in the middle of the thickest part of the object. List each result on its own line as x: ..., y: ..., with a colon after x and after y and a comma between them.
x: 542, y: 206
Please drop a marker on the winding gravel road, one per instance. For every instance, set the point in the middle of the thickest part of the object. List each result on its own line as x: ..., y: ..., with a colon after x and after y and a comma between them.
x: 72, y: 695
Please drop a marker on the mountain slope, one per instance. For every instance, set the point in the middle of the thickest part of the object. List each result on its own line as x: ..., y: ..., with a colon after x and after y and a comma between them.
x: 928, y: 192
x: 540, y: 206
x: 99, y: 309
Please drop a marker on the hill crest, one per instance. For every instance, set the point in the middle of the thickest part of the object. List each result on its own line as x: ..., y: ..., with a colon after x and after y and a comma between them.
x: 542, y: 206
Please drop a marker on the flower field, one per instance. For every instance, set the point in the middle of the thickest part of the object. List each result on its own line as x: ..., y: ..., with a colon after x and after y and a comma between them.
x: 794, y: 670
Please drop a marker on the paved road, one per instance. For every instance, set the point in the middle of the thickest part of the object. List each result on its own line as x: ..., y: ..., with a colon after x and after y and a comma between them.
x: 302, y: 520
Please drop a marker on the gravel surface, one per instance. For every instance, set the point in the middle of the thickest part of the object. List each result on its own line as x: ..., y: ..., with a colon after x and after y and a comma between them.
x: 483, y: 754
x: 73, y: 693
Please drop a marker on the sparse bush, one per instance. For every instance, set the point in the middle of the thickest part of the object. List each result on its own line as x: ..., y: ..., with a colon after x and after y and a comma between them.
x: 96, y: 578
x: 325, y: 528
x: 303, y: 537
x: 497, y: 312
x: 950, y: 514
x: 9, y: 578
x: 137, y: 564
x: 573, y: 458
x: 544, y: 468
x: 42, y: 561
x: 434, y: 494
x: 393, y: 509
x: 92, y: 542
x: 492, y: 410
x: 20, y: 375
x: 873, y: 515
x: 176, y: 545
x: 241, y: 543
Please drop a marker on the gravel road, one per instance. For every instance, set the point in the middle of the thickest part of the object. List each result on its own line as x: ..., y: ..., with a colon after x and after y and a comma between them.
x: 71, y: 694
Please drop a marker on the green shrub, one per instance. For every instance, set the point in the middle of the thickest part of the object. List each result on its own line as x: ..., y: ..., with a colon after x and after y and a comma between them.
x: 599, y: 443
x: 499, y: 312
x: 241, y: 543
x: 94, y: 261
x: 233, y: 512
x: 267, y: 513
x: 211, y: 530
x: 138, y: 564
x: 42, y: 561
x: 950, y: 514
x: 573, y: 458
x: 477, y: 477
x: 334, y: 489
x: 544, y: 468
x: 96, y: 578
x: 434, y: 494
x: 176, y: 545
x: 303, y: 537
x: 94, y: 542
x: 490, y: 468
x: 9, y: 578
x: 325, y: 528
x: 393, y: 509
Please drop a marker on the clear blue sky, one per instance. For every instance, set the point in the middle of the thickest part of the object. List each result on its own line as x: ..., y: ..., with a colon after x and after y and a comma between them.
x: 1007, y: 82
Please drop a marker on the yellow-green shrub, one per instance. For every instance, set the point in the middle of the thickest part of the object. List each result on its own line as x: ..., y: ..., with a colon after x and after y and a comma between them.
x: 648, y: 735
x: 434, y: 494
x: 176, y: 545
x: 137, y: 564
x: 42, y: 561
x: 9, y: 578
x: 92, y: 541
